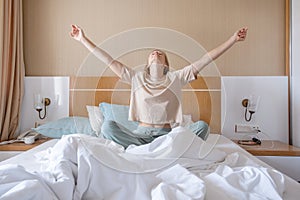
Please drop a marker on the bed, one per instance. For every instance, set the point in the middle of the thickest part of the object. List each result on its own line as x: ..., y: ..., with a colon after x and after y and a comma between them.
x: 97, y: 169
x: 178, y: 165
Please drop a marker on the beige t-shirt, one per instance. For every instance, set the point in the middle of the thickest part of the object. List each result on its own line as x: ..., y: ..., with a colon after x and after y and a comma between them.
x: 156, y: 102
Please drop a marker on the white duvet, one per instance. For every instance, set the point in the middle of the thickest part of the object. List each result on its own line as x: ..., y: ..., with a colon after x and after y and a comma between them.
x: 175, y: 166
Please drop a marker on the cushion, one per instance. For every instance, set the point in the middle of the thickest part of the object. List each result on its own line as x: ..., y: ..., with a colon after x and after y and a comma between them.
x: 119, y: 114
x: 95, y: 118
x: 66, y: 126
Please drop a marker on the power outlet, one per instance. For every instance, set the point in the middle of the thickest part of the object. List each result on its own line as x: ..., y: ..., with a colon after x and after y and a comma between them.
x: 245, y: 128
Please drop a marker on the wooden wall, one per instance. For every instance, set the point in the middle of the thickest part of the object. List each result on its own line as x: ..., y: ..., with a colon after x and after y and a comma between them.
x: 50, y: 51
x: 201, y: 24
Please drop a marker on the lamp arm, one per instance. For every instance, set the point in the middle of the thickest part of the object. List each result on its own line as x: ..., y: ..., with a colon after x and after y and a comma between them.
x: 45, y: 112
x: 46, y: 103
x: 250, y: 117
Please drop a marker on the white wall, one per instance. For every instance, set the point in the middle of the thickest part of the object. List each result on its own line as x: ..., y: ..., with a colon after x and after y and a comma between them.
x: 272, y: 112
x: 55, y: 88
x: 295, y: 72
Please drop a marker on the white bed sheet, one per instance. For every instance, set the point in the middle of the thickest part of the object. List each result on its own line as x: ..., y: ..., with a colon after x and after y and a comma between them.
x: 162, y: 190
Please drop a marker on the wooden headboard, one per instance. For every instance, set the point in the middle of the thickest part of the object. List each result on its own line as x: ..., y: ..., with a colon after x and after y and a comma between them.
x: 201, y: 98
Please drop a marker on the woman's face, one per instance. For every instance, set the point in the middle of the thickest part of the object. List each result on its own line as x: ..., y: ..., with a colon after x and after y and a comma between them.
x: 157, y: 57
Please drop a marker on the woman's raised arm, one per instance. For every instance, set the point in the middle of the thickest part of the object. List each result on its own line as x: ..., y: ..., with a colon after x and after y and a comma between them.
x: 78, y: 34
x: 239, y: 35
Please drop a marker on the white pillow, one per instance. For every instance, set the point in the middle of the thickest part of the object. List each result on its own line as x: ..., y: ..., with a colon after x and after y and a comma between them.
x: 187, y: 120
x: 95, y: 118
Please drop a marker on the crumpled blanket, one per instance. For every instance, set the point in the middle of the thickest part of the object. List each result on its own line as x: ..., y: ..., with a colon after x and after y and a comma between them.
x: 17, y: 183
x: 85, y: 167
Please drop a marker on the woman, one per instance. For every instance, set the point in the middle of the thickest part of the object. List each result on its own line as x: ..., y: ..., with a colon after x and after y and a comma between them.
x: 155, y: 92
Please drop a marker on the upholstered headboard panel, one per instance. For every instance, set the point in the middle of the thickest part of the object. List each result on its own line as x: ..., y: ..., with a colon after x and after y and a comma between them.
x: 201, y: 98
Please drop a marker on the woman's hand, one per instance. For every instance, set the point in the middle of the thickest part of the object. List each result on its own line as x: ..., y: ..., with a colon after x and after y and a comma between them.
x: 76, y: 33
x: 240, y: 35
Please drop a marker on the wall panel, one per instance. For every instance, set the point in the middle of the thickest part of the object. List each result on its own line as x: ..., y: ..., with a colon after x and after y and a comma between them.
x: 50, y: 51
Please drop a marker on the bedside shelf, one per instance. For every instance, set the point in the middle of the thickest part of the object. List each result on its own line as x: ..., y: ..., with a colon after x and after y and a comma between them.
x: 20, y: 146
x: 271, y: 148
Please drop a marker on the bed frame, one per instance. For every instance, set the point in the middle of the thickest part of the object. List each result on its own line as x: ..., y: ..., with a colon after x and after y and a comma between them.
x: 201, y: 98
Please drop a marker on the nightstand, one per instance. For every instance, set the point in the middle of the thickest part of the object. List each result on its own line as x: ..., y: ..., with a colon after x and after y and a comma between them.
x: 281, y: 156
x: 271, y: 148
x: 13, y: 149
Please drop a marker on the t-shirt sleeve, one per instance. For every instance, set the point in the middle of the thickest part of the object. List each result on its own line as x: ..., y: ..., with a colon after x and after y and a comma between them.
x: 127, y: 75
x: 186, y: 74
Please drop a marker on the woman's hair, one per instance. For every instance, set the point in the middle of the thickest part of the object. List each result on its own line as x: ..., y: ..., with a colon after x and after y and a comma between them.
x: 166, y: 62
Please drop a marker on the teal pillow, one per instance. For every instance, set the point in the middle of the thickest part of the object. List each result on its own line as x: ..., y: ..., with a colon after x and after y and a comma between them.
x: 119, y: 114
x: 66, y: 126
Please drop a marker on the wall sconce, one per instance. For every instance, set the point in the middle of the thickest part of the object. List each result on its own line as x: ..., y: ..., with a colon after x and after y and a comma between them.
x: 40, y: 104
x: 251, y: 105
